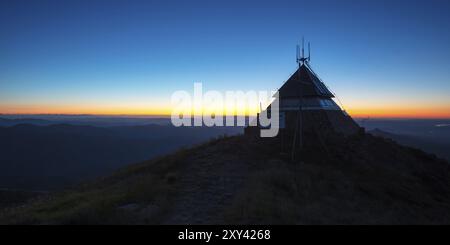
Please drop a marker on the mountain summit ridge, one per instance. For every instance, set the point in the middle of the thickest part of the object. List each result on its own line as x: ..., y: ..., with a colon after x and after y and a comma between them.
x: 362, y: 179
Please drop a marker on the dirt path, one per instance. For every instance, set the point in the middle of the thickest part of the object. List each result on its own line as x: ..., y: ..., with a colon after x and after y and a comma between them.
x: 207, y: 187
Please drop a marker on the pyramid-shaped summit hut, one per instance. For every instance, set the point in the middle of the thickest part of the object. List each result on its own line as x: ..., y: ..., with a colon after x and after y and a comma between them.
x: 307, y: 110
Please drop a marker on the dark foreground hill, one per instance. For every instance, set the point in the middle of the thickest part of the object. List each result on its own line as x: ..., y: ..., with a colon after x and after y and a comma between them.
x: 237, y: 180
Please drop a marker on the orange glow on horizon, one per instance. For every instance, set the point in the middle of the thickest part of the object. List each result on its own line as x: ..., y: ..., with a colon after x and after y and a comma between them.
x: 400, y: 112
x: 77, y: 110
x: 357, y: 112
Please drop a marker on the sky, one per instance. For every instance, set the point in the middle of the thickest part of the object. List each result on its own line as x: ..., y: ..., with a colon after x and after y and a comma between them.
x: 381, y: 58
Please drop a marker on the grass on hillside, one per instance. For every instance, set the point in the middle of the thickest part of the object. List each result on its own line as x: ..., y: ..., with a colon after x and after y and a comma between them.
x: 147, y: 184
x: 364, y: 180
x: 379, y: 182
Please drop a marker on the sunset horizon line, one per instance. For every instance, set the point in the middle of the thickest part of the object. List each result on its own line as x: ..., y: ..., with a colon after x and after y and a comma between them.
x: 356, y: 116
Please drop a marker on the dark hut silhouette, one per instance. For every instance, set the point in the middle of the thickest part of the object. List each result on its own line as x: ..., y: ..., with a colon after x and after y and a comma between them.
x: 307, y: 111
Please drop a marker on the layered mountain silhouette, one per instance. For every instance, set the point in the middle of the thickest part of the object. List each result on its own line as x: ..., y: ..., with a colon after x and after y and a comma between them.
x: 436, y: 145
x: 53, y: 157
x: 362, y: 179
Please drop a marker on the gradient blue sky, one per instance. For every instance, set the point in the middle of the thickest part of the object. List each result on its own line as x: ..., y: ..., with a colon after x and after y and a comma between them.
x: 66, y: 56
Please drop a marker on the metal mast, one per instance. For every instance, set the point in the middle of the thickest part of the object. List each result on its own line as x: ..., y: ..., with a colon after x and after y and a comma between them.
x: 301, y: 60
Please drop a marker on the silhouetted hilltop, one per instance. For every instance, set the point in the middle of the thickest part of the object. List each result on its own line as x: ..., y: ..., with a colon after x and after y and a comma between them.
x: 359, y: 180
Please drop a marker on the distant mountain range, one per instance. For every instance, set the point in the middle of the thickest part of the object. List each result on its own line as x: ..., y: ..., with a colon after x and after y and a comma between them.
x: 438, y: 146
x: 43, y: 120
x: 52, y: 152
x: 5, y: 122
x: 55, y: 156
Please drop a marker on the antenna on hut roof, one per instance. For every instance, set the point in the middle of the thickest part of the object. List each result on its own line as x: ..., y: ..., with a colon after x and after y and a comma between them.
x: 309, y: 51
x: 301, y: 59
